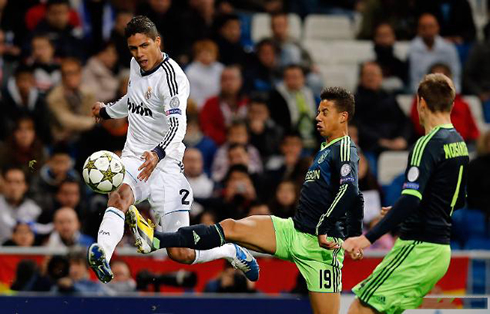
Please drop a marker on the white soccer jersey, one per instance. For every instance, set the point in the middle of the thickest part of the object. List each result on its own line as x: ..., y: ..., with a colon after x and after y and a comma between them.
x: 155, y: 105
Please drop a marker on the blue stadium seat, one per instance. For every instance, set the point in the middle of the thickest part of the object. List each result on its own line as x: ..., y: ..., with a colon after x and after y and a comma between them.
x: 393, y: 190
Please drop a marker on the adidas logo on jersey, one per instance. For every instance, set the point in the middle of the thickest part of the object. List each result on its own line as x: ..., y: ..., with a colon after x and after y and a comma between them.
x: 139, y: 109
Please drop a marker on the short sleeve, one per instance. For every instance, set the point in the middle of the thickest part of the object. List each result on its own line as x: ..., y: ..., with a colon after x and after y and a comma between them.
x: 421, y: 163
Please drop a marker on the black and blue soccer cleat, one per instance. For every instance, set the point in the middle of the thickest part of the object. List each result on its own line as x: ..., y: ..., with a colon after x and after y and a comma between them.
x: 97, y: 261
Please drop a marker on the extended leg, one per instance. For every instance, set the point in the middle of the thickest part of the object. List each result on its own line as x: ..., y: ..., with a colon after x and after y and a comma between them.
x: 254, y: 232
x: 358, y: 308
x: 325, y: 303
x: 111, y: 231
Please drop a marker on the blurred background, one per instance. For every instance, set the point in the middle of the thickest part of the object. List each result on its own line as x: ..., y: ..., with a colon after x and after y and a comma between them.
x: 256, y: 68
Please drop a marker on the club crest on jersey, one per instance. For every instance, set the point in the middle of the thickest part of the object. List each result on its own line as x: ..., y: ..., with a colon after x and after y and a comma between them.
x: 148, y: 93
x: 322, y: 157
x: 174, y: 102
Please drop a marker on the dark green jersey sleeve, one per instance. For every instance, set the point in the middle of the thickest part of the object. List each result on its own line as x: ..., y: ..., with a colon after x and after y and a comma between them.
x: 345, y: 168
x: 421, y: 163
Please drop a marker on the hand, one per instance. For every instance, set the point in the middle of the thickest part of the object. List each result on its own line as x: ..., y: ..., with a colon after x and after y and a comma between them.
x: 151, y: 161
x: 324, y: 243
x: 355, y: 245
x: 96, y: 111
x: 385, y: 210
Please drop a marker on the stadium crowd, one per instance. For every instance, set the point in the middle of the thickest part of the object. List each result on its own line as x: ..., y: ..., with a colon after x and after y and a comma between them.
x: 251, y: 115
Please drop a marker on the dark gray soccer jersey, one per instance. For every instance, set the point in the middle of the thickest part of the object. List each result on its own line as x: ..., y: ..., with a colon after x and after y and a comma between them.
x: 330, y: 193
x: 436, y: 174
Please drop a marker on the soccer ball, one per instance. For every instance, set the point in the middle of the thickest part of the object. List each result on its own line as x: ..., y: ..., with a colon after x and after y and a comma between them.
x: 103, y: 172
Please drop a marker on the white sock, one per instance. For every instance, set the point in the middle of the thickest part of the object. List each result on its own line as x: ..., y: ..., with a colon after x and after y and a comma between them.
x: 226, y: 251
x: 111, y: 231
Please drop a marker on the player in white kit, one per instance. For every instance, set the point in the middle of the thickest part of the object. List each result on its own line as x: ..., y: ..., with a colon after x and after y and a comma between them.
x: 155, y: 105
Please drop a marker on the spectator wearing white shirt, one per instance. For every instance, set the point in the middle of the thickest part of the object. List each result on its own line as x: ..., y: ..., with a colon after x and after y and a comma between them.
x: 429, y: 48
x: 14, y: 206
x: 202, y: 186
x: 204, y: 72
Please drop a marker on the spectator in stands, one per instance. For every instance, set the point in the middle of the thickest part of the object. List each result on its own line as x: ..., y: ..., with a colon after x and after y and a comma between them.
x: 194, y: 138
x: 237, y: 194
x: 263, y: 74
x: 461, y: 115
x: 58, y: 168
x: 428, y: 48
x: 264, y: 133
x: 367, y: 180
x: 22, y: 235
x: 259, y: 209
x: 231, y: 50
x: 292, y: 52
x: 204, y: 72
x: 220, y: 111
x: 47, y: 73
x: 382, y: 124
x: 6, y: 66
x: 285, y: 200
x: 386, y: 242
x: 56, y: 24
x: 230, y: 281
x: 399, y: 14
x: 78, y: 279
x: 455, y: 18
x: 71, y: 104
x: 237, y: 135
x: 394, y: 69
x: 21, y: 98
x: 98, y: 74
x: 14, y: 205
x: 23, y: 148
x: 119, y: 39
x: 477, y: 74
x: 166, y: 17
x: 122, y: 282
x: 293, y: 106
x: 67, y: 230
x: 479, y: 176
x: 207, y: 217
x: 202, y: 186
x: 200, y: 19
x: 290, y: 164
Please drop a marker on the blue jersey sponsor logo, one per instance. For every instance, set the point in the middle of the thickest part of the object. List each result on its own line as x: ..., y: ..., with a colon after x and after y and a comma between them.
x: 173, y: 111
x: 411, y: 186
x: 347, y: 179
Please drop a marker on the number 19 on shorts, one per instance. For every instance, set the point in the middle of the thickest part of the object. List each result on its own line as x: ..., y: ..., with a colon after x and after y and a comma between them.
x: 325, y: 279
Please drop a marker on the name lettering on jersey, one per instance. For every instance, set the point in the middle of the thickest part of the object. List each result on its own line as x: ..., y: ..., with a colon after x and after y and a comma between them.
x: 454, y: 150
x: 139, y: 109
x: 312, y: 175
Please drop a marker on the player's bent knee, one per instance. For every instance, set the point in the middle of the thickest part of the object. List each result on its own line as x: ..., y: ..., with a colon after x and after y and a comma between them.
x: 182, y: 255
x: 121, y: 199
x: 230, y: 229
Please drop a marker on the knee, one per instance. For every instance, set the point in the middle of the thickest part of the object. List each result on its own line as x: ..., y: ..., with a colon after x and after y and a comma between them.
x: 231, y: 229
x: 120, y: 199
x: 182, y: 255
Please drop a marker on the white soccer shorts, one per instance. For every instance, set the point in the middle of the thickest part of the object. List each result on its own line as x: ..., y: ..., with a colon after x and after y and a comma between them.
x: 167, y: 190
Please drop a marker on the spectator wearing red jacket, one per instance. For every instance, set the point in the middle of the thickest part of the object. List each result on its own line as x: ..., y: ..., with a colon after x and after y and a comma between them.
x: 461, y: 115
x: 220, y: 111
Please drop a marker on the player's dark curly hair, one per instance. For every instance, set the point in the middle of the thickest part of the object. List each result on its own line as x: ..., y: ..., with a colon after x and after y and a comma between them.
x: 344, y: 100
x: 142, y: 25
